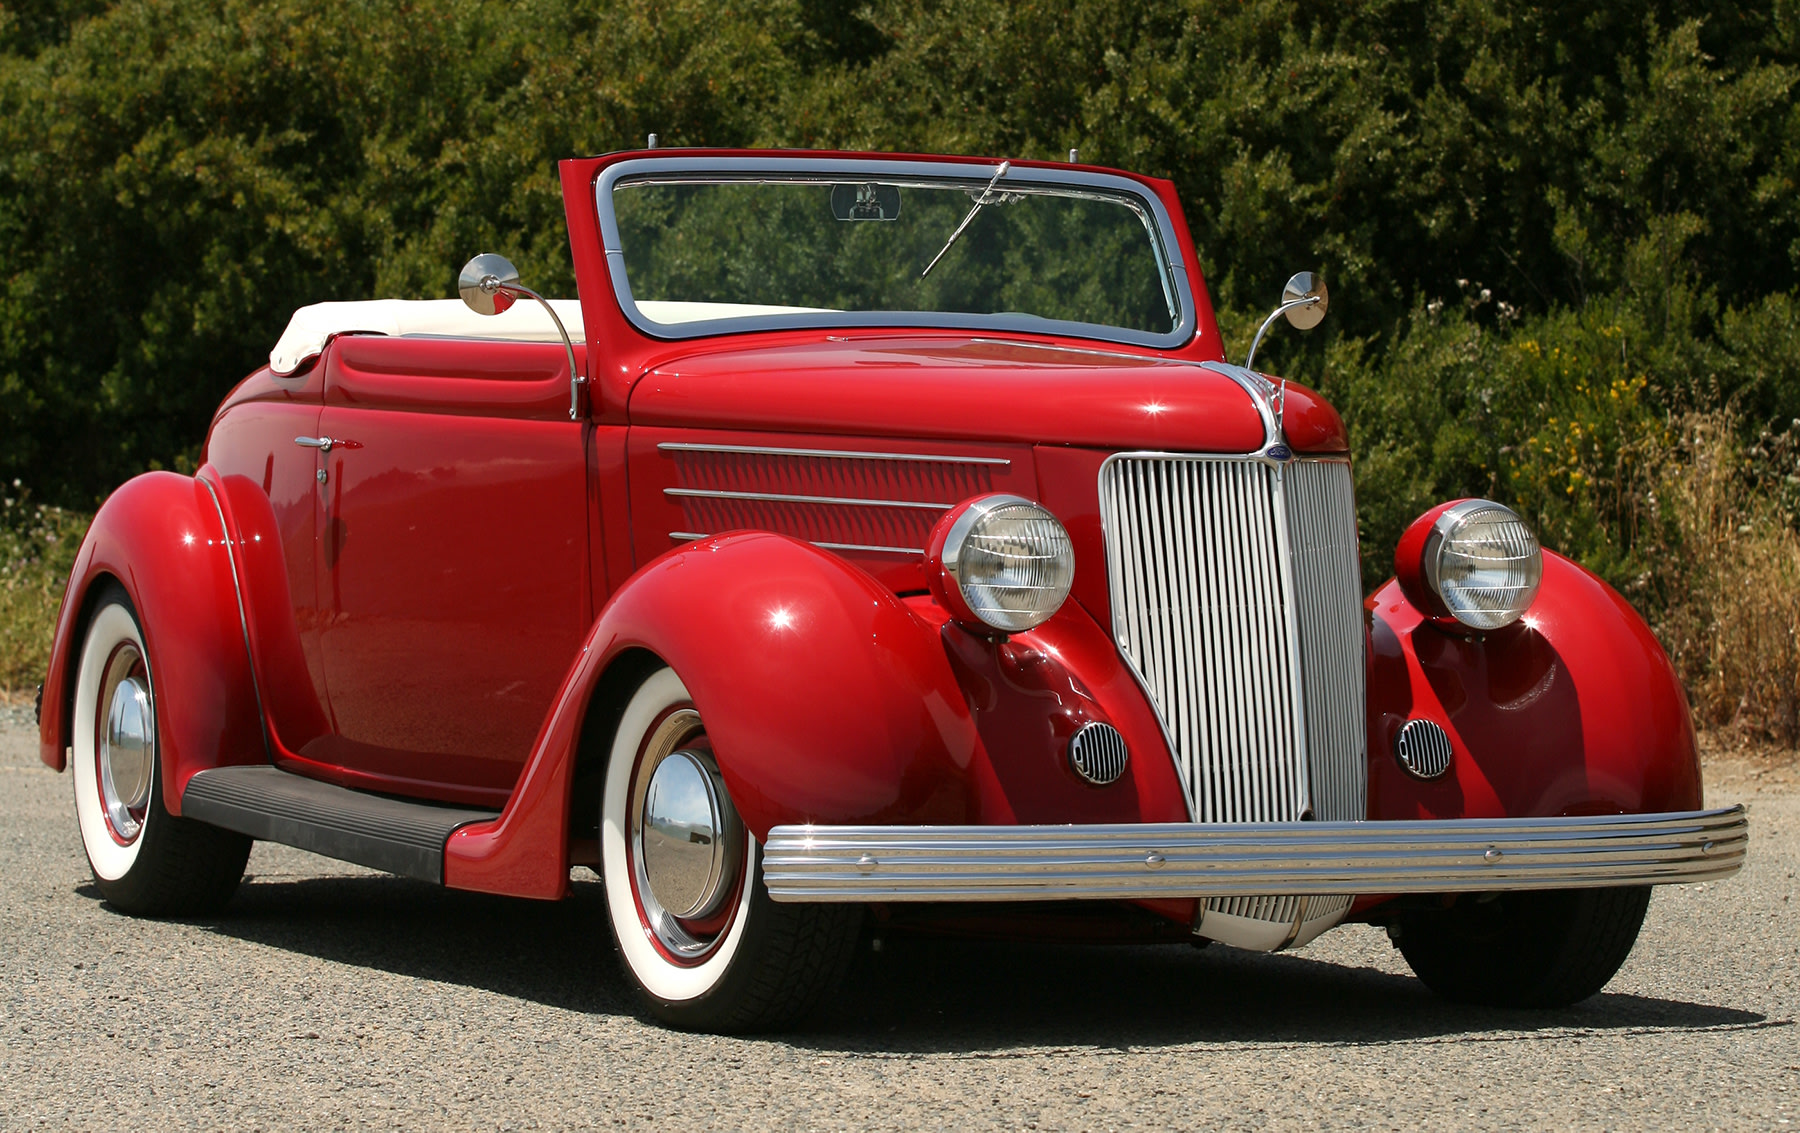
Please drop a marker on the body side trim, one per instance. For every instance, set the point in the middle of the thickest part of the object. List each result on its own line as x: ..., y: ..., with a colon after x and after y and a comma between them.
x: 874, y: 548
x: 828, y: 454
x: 786, y: 498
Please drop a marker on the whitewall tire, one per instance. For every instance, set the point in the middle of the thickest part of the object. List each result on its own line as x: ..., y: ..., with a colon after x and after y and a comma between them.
x: 144, y: 859
x: 695, y: 929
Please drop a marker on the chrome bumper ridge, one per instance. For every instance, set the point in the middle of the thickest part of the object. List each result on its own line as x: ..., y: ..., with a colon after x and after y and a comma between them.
x: 1048, y: 863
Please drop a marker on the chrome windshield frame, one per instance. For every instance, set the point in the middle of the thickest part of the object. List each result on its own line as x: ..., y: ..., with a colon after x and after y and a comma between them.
x: 821, y: 170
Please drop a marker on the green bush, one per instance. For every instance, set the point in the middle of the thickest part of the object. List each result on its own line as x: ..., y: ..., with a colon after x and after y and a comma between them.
x: 37, y: 550
x: 1563, y: 241
x: 177, y: 175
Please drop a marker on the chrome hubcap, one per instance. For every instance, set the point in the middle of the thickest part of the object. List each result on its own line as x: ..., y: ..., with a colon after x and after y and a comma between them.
x: 687, y: 839
x: 683, y: 858
x: 127, y: 747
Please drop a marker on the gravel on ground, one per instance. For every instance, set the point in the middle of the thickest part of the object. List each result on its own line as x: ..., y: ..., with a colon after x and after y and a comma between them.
x: 329, y: 996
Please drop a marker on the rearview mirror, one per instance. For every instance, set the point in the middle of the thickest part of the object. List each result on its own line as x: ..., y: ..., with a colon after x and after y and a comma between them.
x: 865, y: 202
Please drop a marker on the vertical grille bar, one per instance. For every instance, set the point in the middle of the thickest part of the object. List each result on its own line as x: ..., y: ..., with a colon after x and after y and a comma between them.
x: 1237, y: 600
x: 1328, y: 589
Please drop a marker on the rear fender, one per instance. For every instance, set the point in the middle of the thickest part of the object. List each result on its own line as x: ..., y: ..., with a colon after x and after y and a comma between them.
x: 162, y: 537
x: 825, y: 697
x: 290, y: 701
x: 1574, y: 709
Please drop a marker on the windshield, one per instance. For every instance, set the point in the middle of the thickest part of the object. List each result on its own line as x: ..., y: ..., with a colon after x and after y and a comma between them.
x: 813, y: 250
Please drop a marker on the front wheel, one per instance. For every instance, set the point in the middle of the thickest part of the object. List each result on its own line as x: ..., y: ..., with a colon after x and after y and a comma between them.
x: 1534, y: 949
x: 698, y: 934
x: 145, y: 860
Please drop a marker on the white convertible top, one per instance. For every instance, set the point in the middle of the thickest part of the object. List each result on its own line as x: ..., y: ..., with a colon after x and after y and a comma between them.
x: 312, y: 327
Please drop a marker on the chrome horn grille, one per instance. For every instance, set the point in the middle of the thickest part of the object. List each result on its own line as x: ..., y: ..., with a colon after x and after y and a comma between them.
x: 1236, y: 598
x: 1423, y: 748
x: 1098, y: 754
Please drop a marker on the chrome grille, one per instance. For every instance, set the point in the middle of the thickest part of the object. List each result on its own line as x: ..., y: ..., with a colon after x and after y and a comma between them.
x: 1276, y: 910
x: 1236, y: 599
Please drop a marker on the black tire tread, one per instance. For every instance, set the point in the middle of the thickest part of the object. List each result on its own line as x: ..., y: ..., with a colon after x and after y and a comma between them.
x: 1548, y: 949
x: 796, y: 956
x: 184, y: 869
x: 815, y: 944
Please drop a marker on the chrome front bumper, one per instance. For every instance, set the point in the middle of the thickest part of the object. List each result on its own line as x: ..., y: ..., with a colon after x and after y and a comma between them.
x: 1047, y: 863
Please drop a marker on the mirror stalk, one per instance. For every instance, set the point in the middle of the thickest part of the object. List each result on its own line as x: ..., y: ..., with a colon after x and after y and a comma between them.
x: 1304, y: 301
x: 487, y: 276
x: 1250, y: 362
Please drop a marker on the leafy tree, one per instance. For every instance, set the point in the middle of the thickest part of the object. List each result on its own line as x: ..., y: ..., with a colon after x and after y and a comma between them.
x: 177, y: 175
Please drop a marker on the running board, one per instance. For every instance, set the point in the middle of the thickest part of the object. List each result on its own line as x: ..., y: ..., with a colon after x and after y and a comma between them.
x: 264, y: 802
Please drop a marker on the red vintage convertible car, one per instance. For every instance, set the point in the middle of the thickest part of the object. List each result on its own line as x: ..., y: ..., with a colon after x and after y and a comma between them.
x: 875, y: 536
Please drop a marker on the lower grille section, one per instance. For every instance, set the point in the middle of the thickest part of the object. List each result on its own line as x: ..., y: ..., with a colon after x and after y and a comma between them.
x: 1277, y: 910
x: 1236, y: 597
x: 1269, y: 924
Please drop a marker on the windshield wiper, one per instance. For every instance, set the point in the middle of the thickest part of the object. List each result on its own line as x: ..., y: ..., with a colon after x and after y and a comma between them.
x: 986, y: 195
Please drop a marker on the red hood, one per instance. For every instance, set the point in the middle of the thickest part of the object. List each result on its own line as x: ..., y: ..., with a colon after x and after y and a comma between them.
x: 963, y: 388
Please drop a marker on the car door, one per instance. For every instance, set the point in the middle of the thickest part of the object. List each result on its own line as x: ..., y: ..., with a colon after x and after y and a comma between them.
x: 452, y: 560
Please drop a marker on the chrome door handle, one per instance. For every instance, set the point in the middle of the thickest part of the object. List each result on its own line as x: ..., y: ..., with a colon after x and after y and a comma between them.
x: 323, y: 444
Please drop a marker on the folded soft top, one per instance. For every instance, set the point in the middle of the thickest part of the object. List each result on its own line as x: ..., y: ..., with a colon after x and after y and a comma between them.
x: 312, y: 327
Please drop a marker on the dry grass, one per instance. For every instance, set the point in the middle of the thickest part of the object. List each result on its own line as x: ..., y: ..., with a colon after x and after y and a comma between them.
x: 1730, y: 581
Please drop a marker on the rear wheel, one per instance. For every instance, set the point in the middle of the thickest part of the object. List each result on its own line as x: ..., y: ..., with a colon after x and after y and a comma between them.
x: 145, y: 860
x: 1538, y: 949
x: 698, y: 934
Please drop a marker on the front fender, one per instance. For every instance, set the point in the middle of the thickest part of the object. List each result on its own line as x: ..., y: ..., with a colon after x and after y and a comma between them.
x: 161, y: 536
x: 1574, y: 710
x: 825, y: 697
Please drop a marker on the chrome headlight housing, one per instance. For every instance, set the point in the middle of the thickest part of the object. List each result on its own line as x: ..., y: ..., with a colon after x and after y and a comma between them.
x: 1481, y: 563
x: 1000, y: 562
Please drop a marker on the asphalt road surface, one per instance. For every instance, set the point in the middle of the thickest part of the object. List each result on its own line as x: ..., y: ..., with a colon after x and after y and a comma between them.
x: 328, y: 996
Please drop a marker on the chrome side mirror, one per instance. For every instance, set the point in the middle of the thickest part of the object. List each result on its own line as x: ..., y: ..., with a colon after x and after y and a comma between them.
x: 490, y: 285
x: 1304, y: 301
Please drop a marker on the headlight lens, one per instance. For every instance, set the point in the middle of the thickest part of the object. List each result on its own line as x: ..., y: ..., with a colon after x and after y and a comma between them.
x: 1004, y: 562
x: 1483, y: 563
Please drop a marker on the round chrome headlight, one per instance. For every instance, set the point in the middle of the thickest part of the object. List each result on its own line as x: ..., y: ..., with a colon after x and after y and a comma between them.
x: 1482, y: 563
x: 1001, y: 561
